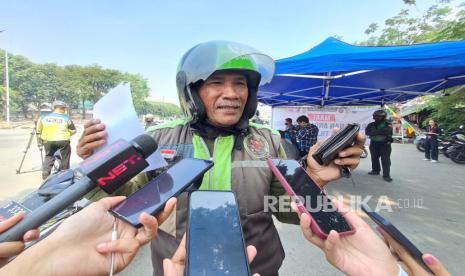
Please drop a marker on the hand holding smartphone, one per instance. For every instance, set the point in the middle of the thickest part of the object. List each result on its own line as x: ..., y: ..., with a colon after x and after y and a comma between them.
x: 389, y: 228
x: 152, y: 197
x: 309, y: 198
x: 215, y: 243
x: 340, y: 140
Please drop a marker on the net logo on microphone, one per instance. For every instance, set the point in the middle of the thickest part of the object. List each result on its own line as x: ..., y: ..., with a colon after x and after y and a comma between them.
x: 114, y: 165
x: 118, y: 170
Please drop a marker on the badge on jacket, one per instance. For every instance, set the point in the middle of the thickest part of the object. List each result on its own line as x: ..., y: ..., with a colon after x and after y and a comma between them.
x: 257, y: 146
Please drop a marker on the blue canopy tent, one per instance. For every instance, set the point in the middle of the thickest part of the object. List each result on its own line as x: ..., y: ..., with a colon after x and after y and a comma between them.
x: 335, y: 73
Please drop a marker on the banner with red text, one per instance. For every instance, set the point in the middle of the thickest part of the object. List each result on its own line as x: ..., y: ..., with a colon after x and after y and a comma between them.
x: 326, y: 118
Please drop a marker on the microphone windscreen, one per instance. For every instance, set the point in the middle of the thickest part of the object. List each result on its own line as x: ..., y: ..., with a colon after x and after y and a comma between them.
x: 145, y: 144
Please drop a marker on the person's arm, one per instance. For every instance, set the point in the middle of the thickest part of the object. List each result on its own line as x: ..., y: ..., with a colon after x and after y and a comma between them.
x: 361, y: 253
x: 435, y: 131
x: 314, y: 135
x: 369, y: 129
x: 372, y: 131
x: 299, y: 134
x: 10, y: 249
x: 82, y: 244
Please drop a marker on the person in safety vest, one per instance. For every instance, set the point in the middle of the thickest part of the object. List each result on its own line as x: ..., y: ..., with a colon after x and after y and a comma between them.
x: 54, y: 131
x: 217, y: 85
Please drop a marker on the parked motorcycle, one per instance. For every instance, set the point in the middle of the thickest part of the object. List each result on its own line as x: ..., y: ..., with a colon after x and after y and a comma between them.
x: 51, y: 187
x: 456, y: 150
x: 443, y: 143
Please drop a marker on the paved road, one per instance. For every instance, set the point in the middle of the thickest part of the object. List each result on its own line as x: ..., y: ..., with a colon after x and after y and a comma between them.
x: 13, y: 143
x: 427, y: 206
x: 433, y: 193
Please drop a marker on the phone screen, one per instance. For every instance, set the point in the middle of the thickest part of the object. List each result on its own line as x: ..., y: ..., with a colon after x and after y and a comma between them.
x: 153, y: 196
x: 215, y: 245
x: 314, y: 200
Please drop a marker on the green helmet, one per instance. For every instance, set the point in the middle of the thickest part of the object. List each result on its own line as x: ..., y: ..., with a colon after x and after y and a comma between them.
x: 204, y: 59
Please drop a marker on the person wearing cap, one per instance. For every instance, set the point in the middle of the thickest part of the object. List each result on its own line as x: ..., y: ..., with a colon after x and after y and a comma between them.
x: 217, y: 85
x: 54, y: 131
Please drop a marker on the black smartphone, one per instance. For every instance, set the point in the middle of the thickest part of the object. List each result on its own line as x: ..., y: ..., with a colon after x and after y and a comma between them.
x: 215, y: 243
x: 152, y: 197
x: 339, y: 141
x: 387, y: 226
x: 310, y: 198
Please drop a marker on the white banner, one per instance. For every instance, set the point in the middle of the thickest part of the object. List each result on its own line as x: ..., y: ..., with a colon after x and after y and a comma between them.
x: 326, y: 118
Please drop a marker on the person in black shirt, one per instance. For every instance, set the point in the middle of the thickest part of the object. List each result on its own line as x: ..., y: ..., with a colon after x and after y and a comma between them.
x: 431, y: 142
x: 380, y: 134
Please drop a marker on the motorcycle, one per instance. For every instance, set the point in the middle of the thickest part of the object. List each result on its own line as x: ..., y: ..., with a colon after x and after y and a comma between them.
x: 456, y: 150
x: 421, y: 140
x: 443, y: 143
x: 52, y: 186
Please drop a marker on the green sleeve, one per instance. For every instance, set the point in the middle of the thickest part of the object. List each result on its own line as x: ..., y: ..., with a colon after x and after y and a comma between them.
x: 278, y: 190
x: 127, y: 189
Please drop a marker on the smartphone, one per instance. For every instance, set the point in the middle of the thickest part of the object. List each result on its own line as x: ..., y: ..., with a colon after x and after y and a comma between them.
x: 309, y: 198
x: 396, y: 235
x: 339, y: 141
x: 152, y: 197
x: 215, y: 243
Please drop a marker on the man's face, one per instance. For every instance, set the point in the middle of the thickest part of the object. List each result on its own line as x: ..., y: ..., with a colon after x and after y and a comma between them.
x: 302, y: 123
x: 224, y: 96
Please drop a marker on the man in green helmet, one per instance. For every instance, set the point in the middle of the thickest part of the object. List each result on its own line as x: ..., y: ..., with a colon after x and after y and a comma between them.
x: 217, y: 86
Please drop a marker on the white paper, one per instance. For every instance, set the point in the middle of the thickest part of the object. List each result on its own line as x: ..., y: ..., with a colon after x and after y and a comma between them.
x: 116, y: 111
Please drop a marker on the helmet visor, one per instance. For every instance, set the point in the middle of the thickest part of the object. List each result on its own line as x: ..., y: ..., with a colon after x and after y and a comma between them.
x: 206, y: 58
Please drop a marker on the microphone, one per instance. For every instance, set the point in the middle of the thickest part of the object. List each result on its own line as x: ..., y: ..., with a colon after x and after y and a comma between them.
x: 109, y: 168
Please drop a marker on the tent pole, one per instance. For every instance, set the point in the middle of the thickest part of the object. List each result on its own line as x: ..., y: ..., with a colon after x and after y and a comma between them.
x: 327, y: 85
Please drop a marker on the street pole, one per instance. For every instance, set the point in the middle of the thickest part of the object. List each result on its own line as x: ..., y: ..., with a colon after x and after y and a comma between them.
x: 7, y: 88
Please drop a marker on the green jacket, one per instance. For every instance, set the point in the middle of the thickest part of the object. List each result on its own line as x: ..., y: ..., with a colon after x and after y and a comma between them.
x: 245, y: 172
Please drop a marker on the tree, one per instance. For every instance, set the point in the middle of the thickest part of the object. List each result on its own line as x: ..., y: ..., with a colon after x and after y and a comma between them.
x: 163, y: 110
x: 77, y: 85
x: 139, y: 91
x: 37, y: 84
x: 441, y: 22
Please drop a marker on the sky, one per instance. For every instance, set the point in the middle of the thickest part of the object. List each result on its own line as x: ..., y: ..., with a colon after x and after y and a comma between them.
x: 149, y: 37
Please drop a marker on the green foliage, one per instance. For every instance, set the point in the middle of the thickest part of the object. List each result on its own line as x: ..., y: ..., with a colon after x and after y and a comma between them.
x: 449, y: 109
x: 444, y: 21
x: 36, y: 84
x: 139, y: 90
x: 162, y: 110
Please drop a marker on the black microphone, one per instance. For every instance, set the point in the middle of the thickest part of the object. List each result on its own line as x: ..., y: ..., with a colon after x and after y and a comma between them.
x: 109, y: 168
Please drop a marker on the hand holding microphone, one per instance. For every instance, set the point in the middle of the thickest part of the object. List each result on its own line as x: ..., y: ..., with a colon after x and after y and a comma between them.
x: 109, y: 169
x: 82, y: 244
